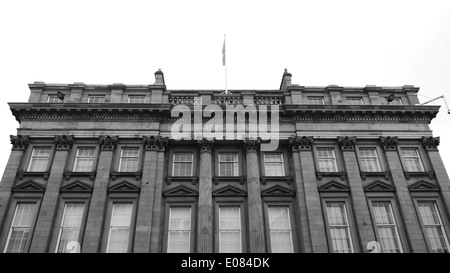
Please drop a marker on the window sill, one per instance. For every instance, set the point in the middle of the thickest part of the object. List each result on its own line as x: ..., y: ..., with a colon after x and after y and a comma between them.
x: 192, y: 179
x: 137, y: 175
x: 91, y: 175
x: 219, y: 179
x: 409, y: 174
x: 265, y: 179
x: 44, y: 175
x: 343, y: 175
x: 364, y: 175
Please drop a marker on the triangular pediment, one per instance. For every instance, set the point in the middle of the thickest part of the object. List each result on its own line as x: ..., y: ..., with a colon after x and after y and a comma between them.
x: 124, y: 186
x: 278, y: 190
x: 180, y: 190
x: 334, y: 186
x: 423, y: 186
x: 29, y: 186
x: 379, y: 186
x: 229, y: 191
x: 76, y: 186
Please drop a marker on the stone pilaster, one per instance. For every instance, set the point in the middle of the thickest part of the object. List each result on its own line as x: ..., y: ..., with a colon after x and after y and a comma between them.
x: 255, y: 213
x: 156, y: 230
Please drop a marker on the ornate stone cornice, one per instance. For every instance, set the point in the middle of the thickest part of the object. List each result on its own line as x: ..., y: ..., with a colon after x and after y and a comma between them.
x: 205, y: 144
x: 19, y: 142
x: 64, y: 142
x: 155, y: 142
x: 430, y: 143
x: 108, y: 143
x: 346, y: 143
x: 252, y: 144
x: 389, y: 143
x: 301, y: 143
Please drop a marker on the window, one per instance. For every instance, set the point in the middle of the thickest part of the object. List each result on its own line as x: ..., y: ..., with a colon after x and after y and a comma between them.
x: 355, y: 101
x: 230, y: 230
x: 40, y: 158
x: 432, y: 223
x: 84, y: 160
x: 280, y: 229
x: 20, y: 231
x: 228, y: 165
x: 396, y: 101
x: 96, y: 99
x: 316, y: 100
x: 182, y: 164
x: 119, y: 229
x: 327, y: 160
x: 129, y: 160
x: 179, y: 236
x: 70, y: 225
x: 369, y: 160
x: 339, y: 227
x: 411, y: 159
x: 386, y: 227
x: 273, y: 164
x: 54, y: 99
x: 136, y: 99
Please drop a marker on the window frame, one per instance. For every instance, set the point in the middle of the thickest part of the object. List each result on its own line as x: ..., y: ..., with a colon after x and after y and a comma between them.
x: 380, y: 163
x: 283, y: 161
x: 419, y: 154
x: 173, y: 163
x: 62, y: 217
x: 237, y: 162
x: 76, y: 158
x: 317, y: 159
x: 310, y: 99
x: 50, y: 158
x: 101, y: 97
x: 238, y: 201
x: 131, y: 147
x: 351, y: 99
x: 180, y: 202
x: 136, y: 96
x: 52, y: 97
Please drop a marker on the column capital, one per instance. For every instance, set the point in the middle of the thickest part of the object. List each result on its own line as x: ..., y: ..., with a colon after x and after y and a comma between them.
x: 301, y: 143
x: 19, y: 142
x: 154, y: 143
x: 63, y: 142
x: 346, y: 143
x: 251, y: 144
x: 430, y: 143
x: 389, y: 143
x: 205, y: 144
x: 108, y: 143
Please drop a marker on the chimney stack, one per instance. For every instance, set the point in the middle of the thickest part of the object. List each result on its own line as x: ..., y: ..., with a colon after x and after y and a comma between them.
x: 159, y: 78
x: 286, y: 80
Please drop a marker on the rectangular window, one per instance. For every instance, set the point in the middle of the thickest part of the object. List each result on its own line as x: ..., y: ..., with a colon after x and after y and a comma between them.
x: 228, y: 165
x: 84, y: 160
x: 136, y: 99
x: 386, y: 227
x: 280, y: 230
x: 96, y: 99
x: 182, y: 164
x: 40, y: 158
x: 339, y: 227
x: 119, y: 229
x: 230, y: 230
x: 327, y: 160
x: 129, y: 160
x: 19, y: 232
x: 69, y: 230
x: 412, y: 160
x: 432, y: 223
x: 369, y: 160
x: 54, y: 99
x: 355, y: 101
x: 273, y: 164
x: 179, y: 238
x: 316, y: 100
x: 396, y: 101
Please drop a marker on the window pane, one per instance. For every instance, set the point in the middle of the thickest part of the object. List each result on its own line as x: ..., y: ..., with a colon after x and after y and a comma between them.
x: 387, y: 229
x: 70, y: 227
x: 136, y: 99
x: 433, y: 227
x: 39, y: 159
x: 84, y: 160
x: 339, y: 229
x: 129, y: 160
x: 19, y: 232
x: 327, y: 160
x: 119, y: 231
x: 182, y: 164
x: 230, y: 230
x: 96, y: 99
x: 179, y: 230
x: 280, y: 230
x: 228, y: 165
x: 412, y: 160
x: 369, y: 160
x: 273, y: 164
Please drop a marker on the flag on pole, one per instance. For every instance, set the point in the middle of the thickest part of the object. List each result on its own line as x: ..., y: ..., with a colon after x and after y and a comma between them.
x: 223, y: 52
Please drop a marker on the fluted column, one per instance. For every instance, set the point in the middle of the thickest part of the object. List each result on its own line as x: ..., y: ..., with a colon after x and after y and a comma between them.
x: 48, y: 210
x: 255, y: 213
x: 97, y: 207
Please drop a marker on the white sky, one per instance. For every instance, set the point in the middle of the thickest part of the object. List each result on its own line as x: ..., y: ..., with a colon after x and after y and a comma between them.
x: 348, y: 43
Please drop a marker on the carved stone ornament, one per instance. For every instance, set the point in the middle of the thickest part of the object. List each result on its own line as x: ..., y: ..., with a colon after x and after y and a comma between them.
x: 301, y: 143
x: 19, y: 141
x: 108, y: 143
x: 430, y: 143
x: 64, y: 142
x: 205, y: 144
x: 252, y: 144
x: 155, y: 142
x: 346, y: 143
x: 389, y: 143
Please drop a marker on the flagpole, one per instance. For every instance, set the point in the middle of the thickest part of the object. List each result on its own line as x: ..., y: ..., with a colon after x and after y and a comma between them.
x: 225, y: 64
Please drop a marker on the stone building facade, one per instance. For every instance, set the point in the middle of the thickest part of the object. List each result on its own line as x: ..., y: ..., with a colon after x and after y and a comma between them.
x: 96, y: 169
